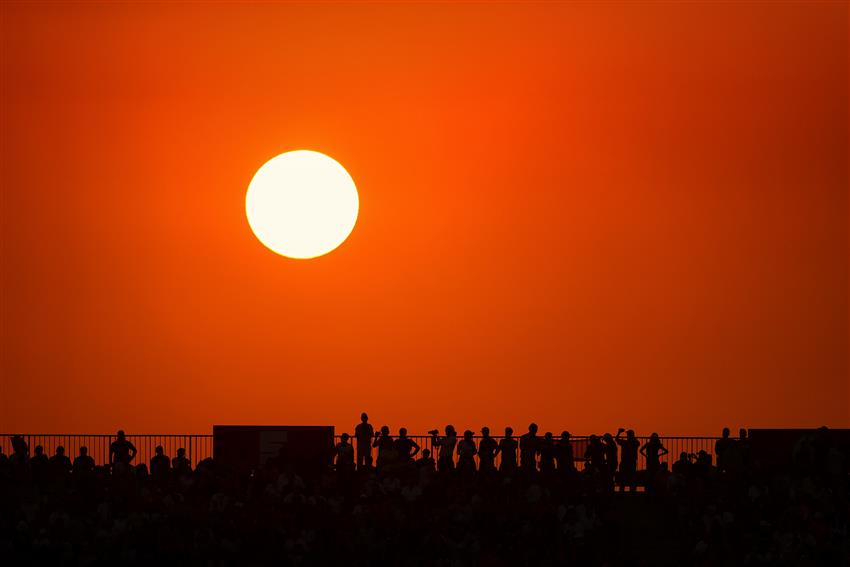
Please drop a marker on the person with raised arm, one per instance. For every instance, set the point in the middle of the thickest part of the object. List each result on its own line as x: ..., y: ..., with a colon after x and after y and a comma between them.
x: 628, y: 459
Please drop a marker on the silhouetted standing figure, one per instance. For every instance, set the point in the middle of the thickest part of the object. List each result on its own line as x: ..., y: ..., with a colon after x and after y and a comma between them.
x: 487, y: 452
x: 594, y: 454
x: 121, y: 451
x: 547, y: 453
x: 721, y: 446
x: 160, y: 464
x: 405, y: 447
x: 344, y: 455
x: 39, y: 466
x: 384, y: 443
x: 466, y: 453
x: 507, y: 449
x: 83, y: 463
x: 653, y: 450
x: 445, y: 459
x: 180, y: 464
x: 364, y: 434
x: 628, y: 459
x: 20, y: 457
x: 60, y: 464
x: 528, y: 449
x: 611, y: 461
x: 564, y: 453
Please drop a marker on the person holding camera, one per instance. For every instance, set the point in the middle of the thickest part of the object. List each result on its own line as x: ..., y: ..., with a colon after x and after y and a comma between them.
x: 386, y: 447
x: 446, y: 446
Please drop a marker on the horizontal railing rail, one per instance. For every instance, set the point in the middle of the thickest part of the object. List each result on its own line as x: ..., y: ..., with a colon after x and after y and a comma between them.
x: 200, y: 446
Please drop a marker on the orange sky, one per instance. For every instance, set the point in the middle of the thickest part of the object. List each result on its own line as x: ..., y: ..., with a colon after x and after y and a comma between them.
x: 590, y: 215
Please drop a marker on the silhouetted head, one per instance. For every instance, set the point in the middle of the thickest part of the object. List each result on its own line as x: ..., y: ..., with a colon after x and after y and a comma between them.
x: 385, y: 430
x: 608, y: 438
x: 60, y: 450
x: 683, y: 456
x: 630, y: 434
x: 742, y: 433
x: 726, y: 432
x: 593, y: 438
x: 363, y: 417
x: 654, y: 436
x: 509, y: 431
x: 450, y: 430
x: 159, y: 450
x: 120, y: 434
x: 467, y: 435
x: 426, y: 453
x: 84, y: 451
x: 344, y: 438
x: 39, y: 449
x: 402, y: 432
x: 181, y: 452
x: 532, y: 428
x: 565, y: 435
x: 548, y: 436
x: 485, y: 431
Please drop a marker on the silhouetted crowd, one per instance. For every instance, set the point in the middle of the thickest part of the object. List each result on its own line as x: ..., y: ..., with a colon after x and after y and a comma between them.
x: 478, y: 501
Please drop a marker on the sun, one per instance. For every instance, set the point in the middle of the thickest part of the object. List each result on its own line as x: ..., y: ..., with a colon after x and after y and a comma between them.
x: 302, y: 204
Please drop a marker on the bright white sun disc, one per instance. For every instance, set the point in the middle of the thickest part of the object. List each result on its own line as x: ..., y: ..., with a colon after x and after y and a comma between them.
x: 302, y: 204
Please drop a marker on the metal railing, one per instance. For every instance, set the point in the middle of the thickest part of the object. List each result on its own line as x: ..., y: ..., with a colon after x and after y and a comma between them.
x: 674, y: 444
x: 199, y: 447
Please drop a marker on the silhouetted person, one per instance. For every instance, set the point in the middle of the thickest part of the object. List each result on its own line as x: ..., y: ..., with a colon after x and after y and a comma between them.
x: 180, y: 464
x: 39, y: 466
x: 611, y: 461
x: 720, y: 447
x: 547, y: 453
x: 384, y: 443
x: 528, y: 449
x: 83, y: 463
x: 344, y: 454
x: 466, y: 451
x: 594, y: 454
x: 426, y: 462
x: 682, y: 466
x: 653, y: 450
x: 4, y: 463
x: 446, y: 444
x: 507, y: 449
x: 405, y: 447
x: 628, y: 459
x: 60, y: 464
x: 19, y: 459
x: 160, y: 464
x: 487, y: 452
x: 121, y: 451
x: 564, y: 453
x: 702, y: 465
x: 364, y: 434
